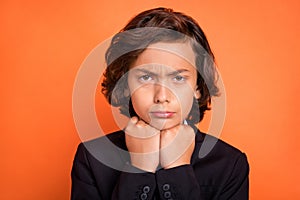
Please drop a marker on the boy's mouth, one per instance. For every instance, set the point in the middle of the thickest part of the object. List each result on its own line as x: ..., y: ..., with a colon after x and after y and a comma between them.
x: 162, y: 114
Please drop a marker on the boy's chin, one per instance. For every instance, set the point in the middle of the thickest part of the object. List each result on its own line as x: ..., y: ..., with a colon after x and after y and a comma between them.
x: 163, y: 124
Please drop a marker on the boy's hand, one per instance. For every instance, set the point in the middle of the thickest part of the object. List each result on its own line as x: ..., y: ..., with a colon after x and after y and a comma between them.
x: 176, y: 146
x: 142, y: 142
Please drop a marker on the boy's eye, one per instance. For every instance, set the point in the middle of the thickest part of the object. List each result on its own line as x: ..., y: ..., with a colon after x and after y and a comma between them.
x: 179, y: 78
x: 145, y: 78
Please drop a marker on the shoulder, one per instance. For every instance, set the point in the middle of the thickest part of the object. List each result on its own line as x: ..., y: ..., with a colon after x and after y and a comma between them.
x: 209, y: 146
x: 102, y: 149
x: 114, y: 139
x: 97, y: 164
x: 225, y: 159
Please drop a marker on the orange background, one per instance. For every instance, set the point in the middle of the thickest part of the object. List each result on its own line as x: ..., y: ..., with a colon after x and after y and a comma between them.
x: 43, y: 43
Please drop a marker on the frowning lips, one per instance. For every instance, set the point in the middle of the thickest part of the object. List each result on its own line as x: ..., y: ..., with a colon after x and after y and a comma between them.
x: 162, y: 114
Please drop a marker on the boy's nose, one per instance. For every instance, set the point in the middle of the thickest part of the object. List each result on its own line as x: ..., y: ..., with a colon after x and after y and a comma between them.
x: 161, y: 94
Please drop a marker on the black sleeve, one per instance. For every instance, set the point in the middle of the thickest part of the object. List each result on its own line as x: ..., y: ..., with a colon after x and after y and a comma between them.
x: 178, y: 183
x: 86, y: 176
x: 237, y: 186
x: 83, y: 182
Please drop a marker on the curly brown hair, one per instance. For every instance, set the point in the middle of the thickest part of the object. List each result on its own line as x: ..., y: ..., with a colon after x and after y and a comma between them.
x: 149, y: 27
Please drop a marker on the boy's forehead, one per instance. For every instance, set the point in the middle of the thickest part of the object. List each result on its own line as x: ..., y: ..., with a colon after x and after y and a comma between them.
x: 174, y: 55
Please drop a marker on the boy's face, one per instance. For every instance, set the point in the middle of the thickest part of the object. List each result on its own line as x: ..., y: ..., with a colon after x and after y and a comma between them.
x: 163, y: 84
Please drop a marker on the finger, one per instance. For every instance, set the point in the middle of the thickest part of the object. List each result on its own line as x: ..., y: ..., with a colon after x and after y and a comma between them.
x: 134, y: 120
x: 131, y: 124
x: 141, y: 123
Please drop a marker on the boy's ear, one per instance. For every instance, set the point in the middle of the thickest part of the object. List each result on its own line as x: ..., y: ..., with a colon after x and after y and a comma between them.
x: 197, y: 94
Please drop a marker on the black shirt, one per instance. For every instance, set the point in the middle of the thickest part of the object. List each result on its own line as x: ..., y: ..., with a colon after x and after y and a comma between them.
x: 217, y: 171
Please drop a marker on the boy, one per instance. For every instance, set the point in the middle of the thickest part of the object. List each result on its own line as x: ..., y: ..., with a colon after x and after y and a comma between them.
x: 161, y: 74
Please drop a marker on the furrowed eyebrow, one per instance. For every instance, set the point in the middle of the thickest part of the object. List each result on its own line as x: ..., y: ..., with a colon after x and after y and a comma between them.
x: 177, y: 72
x: 174, y: 73
x: 146, y: 72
